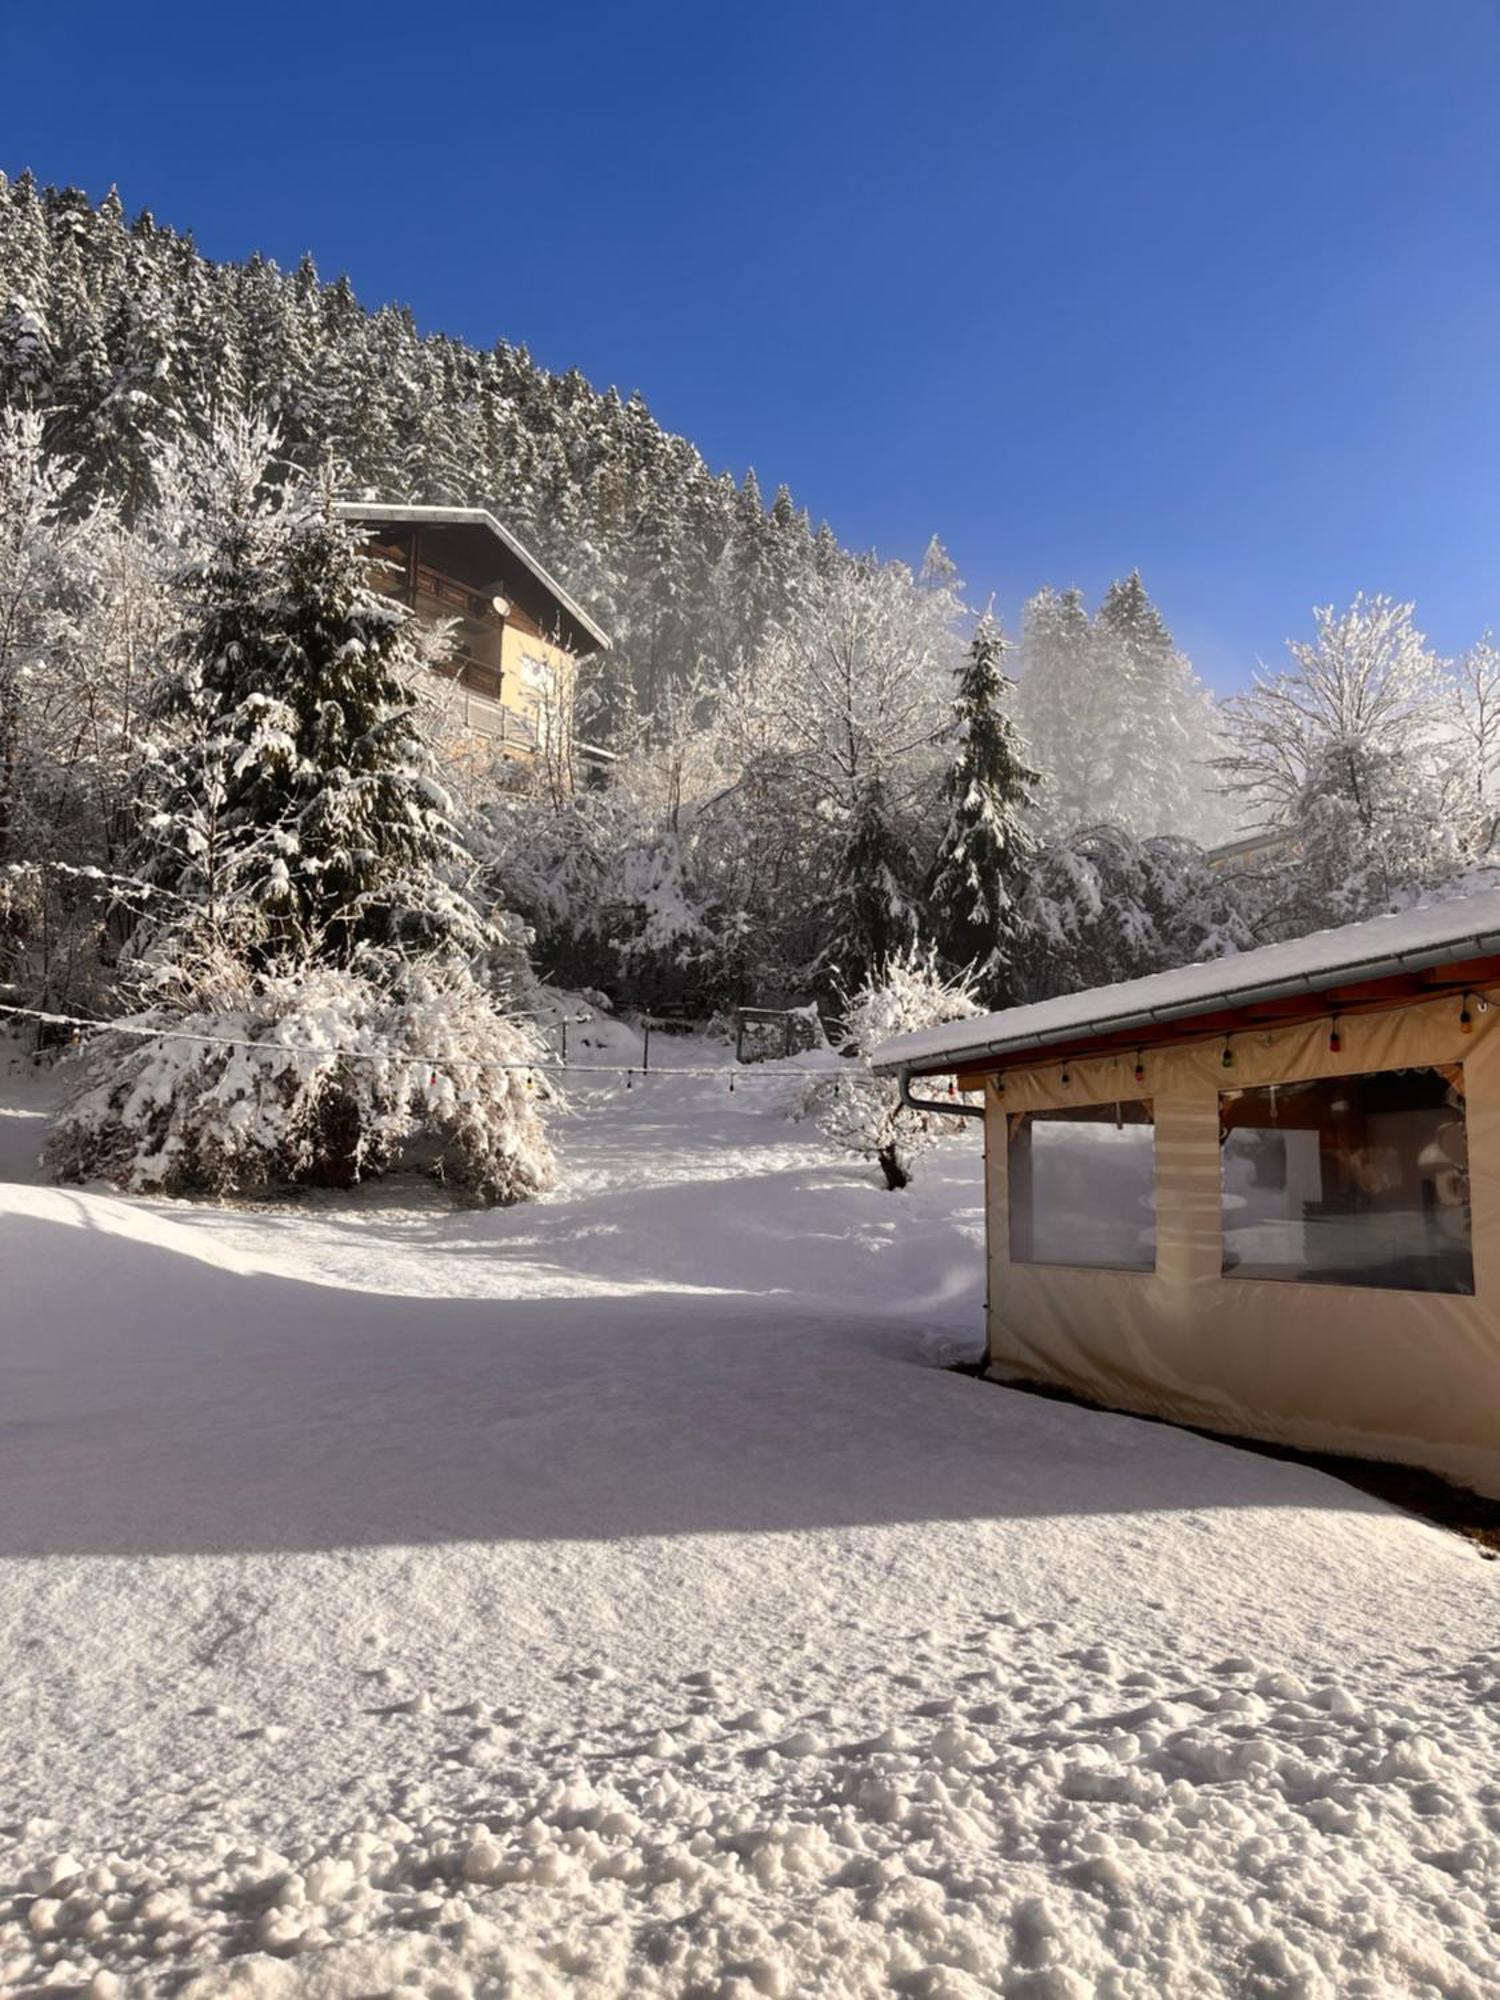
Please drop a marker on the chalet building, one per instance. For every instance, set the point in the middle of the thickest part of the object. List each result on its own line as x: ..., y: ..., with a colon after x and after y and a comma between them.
x: 519, y: 635
x: 1259, y: 1195
x: 1253, y: 852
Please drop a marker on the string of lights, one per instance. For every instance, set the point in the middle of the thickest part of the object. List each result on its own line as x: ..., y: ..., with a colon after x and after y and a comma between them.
x: 736, y: 1073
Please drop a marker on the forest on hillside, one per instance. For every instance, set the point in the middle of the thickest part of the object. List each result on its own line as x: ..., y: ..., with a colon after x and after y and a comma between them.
x: 827, y: 763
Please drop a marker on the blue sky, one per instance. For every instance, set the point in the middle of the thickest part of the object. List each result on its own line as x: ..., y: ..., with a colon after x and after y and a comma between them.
x: 1213, y: 291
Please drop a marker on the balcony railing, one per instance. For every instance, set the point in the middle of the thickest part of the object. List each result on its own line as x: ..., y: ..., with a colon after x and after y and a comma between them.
x: 481, y: 676
x: 447, y: 590
x: 487, y: 713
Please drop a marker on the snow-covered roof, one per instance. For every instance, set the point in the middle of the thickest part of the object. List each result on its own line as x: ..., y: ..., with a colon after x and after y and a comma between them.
x: 476, y: 517
x: 1408, y: 941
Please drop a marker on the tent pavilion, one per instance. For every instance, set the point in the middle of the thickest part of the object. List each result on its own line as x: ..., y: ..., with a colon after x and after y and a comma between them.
x: 1261, y: 1194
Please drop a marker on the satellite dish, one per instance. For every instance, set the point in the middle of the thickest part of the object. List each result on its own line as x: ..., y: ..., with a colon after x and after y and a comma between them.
x: 500, y: 606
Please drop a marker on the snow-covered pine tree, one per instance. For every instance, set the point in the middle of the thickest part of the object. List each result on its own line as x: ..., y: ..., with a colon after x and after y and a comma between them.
x: 26, y: 358
x: 295, y: 778
x: 1061, y: 701
x: 1160, y: 730
x: 1118, y: 722
x: 36, y: 586
x: 873, y: 914
x: 989, y: 791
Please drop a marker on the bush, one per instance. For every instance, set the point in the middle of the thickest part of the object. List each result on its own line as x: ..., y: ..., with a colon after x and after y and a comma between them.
x: 863, y: 1111
x: 321, y: 1079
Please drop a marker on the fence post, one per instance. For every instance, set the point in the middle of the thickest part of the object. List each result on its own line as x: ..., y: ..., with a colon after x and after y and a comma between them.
x: 646, y: 1047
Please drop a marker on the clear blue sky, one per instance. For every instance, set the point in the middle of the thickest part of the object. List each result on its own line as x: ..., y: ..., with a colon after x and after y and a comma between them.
x: 1210, y: 290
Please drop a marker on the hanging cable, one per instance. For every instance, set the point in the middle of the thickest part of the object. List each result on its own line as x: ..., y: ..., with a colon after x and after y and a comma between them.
x: 755, y: 1073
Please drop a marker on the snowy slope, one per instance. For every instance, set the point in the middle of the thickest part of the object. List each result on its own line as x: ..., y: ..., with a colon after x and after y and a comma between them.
x: 610, y: 1597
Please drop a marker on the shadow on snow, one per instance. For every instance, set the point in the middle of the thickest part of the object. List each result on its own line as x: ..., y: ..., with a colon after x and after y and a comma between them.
x: 155, y: 1402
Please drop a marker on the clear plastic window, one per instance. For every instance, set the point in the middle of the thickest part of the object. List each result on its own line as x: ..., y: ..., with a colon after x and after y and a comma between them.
x: 1350, y: 1180
x: 1083, y: 1186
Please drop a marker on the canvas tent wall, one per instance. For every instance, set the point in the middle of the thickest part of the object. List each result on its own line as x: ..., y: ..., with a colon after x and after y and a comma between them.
x: 1301, y: 1244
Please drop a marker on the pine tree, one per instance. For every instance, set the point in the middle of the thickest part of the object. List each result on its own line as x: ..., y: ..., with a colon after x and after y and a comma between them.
x: 873, y: 914
x: 1062, y: 704
x: 26, y: 360
x: 1161, y: 731
x: 298, y: 793
x: 986, y: 841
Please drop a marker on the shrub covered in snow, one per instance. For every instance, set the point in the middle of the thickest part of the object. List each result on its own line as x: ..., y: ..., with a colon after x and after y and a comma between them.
x: 862, y: 1110
x: 324, y: 1078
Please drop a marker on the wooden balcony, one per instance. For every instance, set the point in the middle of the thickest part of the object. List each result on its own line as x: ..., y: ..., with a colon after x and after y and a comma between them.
x: 460, y: 598
x: 480, y: 676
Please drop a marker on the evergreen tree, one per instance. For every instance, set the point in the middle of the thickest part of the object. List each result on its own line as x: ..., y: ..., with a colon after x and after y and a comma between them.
x: 1118, y: 721
x: 873, y: 912
x: 26, y: 359
x: 1161, y: 733
x: 986, y: 841
x: 1062, y: 704
x: 299, y: 803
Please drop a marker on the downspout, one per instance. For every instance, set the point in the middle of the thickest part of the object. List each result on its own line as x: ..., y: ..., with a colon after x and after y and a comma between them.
x: 956, y: 1109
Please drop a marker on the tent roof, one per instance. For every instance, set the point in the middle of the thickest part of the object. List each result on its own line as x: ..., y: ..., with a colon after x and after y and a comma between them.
x: 477, y: 517
x: 1408, y: 941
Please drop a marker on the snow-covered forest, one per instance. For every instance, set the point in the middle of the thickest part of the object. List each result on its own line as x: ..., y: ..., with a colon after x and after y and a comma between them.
x: 223, y: 795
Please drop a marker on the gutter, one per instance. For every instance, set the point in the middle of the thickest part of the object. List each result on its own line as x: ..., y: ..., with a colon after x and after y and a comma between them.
x: 1485, y: 944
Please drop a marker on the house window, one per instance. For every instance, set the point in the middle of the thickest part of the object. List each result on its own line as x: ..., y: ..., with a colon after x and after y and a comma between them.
x: 1350, y: 1180
x: 1082, y: 1186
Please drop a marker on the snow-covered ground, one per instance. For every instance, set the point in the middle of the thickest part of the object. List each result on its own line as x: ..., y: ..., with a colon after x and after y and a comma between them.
x: 611, y: 1596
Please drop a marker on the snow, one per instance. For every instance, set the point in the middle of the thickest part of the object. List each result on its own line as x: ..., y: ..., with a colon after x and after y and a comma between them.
x: 610, y: 1596
x: 1312, y: 963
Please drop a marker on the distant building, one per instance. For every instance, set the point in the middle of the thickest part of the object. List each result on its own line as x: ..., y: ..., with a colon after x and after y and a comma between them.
x: 519, y: 635
x: 1260, y: 1194
x: 1269, y: 848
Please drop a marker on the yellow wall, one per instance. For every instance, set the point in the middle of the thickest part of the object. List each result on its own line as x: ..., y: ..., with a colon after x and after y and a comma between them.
x: 520, y: 695
x: 509, y: 646
x: 1413, y: 1376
